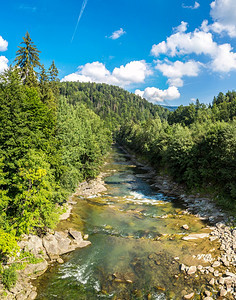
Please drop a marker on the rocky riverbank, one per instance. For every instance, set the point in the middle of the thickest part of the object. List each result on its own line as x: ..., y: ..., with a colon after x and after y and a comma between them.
x: 218, y: 270
x: 49, y: 248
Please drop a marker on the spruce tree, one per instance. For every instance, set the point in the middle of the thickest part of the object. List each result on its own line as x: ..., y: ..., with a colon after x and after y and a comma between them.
x: 27, y: 58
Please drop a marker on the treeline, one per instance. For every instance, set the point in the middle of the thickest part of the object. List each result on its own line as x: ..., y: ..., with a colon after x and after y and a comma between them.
x: 112, y: 103
x: 47, y: 146
x: 196, y: 146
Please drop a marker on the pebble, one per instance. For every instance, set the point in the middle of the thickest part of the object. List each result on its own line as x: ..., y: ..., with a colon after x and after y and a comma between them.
x: 216, y: 264
x: 185, y: 226
x: 223, y: 292
x: 192, y: 270
x: 189, y: 296
x: 212, y: 281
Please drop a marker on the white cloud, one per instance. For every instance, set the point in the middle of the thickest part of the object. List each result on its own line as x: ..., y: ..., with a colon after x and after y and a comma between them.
x: 223, y: 12
x: 225, y: 60
x: 3, y: 44
x: 175, y: 71
x: 132, y: 72
x: 195, y: 6
x: 200, y: 41
x: 3, y: 63
x: 156, y: 95
x: 117, y: 34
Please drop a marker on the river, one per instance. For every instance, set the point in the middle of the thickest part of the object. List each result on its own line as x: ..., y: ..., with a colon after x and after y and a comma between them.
x: 136, y: 234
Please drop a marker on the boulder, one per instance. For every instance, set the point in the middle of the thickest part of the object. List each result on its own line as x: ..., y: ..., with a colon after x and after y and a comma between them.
x: 36, y: 269
x: 192, y: 270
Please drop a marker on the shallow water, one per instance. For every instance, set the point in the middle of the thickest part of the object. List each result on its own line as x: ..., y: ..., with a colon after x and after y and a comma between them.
x: 136, y: 234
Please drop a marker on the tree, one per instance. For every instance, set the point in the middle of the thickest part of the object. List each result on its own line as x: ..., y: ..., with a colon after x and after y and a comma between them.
x: 27, y: 58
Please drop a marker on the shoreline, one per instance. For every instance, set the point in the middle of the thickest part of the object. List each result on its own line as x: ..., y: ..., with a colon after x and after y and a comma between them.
x: 223, y: 269
x: 49, y: 248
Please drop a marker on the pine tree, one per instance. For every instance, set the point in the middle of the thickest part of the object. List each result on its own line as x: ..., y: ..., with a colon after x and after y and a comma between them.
x: 53, y: 73
x: 27, y: 58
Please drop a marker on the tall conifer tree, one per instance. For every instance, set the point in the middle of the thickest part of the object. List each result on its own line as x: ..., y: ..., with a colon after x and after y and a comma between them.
x: 27, y: 58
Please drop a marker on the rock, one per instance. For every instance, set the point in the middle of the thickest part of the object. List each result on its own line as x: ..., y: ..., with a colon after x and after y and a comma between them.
x: 86, y: 236
x: 189, y: 296
x: 213, y: 238
x: 207, y: 298
x: 221, y: 281
x: 50, y: 244
x: 182, y: 267
x: 212, y: 281
x: 199, y: 267
x: 192, y: 270
x: 216, y: 273
x: 60, y: 260
x: 66, y: 214
x: 76, y: 235
x: 185, y: 226
x: 210, y: 269
x: 33, y: 244
x: 223, y: 292
x: 32, y: 295
x: 208, y: 293
x: 33, y: 269
x: 216, y: 264
x: 195, y: 236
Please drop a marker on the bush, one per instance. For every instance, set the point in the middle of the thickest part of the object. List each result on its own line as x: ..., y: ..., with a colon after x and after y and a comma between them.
x: 9, y: 277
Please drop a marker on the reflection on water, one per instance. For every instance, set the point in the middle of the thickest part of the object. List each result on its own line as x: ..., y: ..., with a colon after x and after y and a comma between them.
x: 136, y: 243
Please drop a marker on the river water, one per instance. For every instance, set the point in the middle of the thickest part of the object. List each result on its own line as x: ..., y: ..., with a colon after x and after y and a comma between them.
x: 136, y: 234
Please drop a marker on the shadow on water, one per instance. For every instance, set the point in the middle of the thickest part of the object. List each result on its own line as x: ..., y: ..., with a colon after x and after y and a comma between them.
x: 136, y: 234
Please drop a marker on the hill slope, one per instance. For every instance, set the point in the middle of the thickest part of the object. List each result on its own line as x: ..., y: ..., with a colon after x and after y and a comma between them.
x: 112, y: 103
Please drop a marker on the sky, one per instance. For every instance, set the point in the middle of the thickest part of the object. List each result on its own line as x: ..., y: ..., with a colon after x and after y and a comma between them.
x: 170, y: 52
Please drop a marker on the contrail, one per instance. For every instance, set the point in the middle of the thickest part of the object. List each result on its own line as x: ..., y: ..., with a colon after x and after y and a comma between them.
x: 80, y: 15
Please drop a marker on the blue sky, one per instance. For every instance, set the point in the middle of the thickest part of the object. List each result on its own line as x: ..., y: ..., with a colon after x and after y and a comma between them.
x: 170, y: 52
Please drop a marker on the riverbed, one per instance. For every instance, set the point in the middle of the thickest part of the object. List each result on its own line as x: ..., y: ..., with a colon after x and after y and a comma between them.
x: 137, y: 243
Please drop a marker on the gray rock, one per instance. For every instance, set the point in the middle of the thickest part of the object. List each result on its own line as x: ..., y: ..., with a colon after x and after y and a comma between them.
x: 192, y: 270
x: 36, y: 269
x: 189, y: 296
x: 223, y: 292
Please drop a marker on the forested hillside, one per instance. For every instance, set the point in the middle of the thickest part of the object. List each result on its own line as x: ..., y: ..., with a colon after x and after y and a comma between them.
x: 196, y: 146
x: 112, y: 103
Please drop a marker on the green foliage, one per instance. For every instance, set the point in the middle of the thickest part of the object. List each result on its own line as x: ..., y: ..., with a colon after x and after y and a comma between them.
x: 8, y: 244
x: 9, y: 277
x: 113, y: 104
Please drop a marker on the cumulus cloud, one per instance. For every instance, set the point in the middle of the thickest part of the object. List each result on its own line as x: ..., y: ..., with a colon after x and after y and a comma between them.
x: 3, y: 44
x: 223, y: 12
x: 200, y: 41
x: 156, y: 95
x: 117, y: 34
x: 175, y: 71
x: 3, y: 63
x: 195, y: 6
x: 132, y: 72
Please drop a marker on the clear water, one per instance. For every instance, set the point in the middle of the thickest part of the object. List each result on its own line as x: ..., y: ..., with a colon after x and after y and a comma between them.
x: 136, y: 236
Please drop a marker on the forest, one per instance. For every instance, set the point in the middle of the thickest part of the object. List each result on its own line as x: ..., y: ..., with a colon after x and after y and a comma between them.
x: 54, y: 135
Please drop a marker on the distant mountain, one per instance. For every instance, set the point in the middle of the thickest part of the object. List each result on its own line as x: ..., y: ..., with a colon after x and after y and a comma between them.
x: 170, y: 108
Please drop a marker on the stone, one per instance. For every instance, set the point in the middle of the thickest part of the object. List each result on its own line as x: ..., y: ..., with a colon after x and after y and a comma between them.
x: 192, y: 270
x: 207, y: 298
x: 212, y: 281
x: 33, y: 269
x: 33, y: 244
x: 32, y: 295
x: 86, y: 236
x: 60, y: 260
x: 208, y: 293
x: 216, y: 264
x: 223, y: 292
x: 199, y: 267
x: 195, y: 236
x: 189, y: 296
x: 185, y: 226
x: 182, y: 267
x: 210, y: 269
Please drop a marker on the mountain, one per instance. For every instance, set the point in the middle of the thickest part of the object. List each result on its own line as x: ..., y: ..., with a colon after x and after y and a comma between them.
x: 114, y: 104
